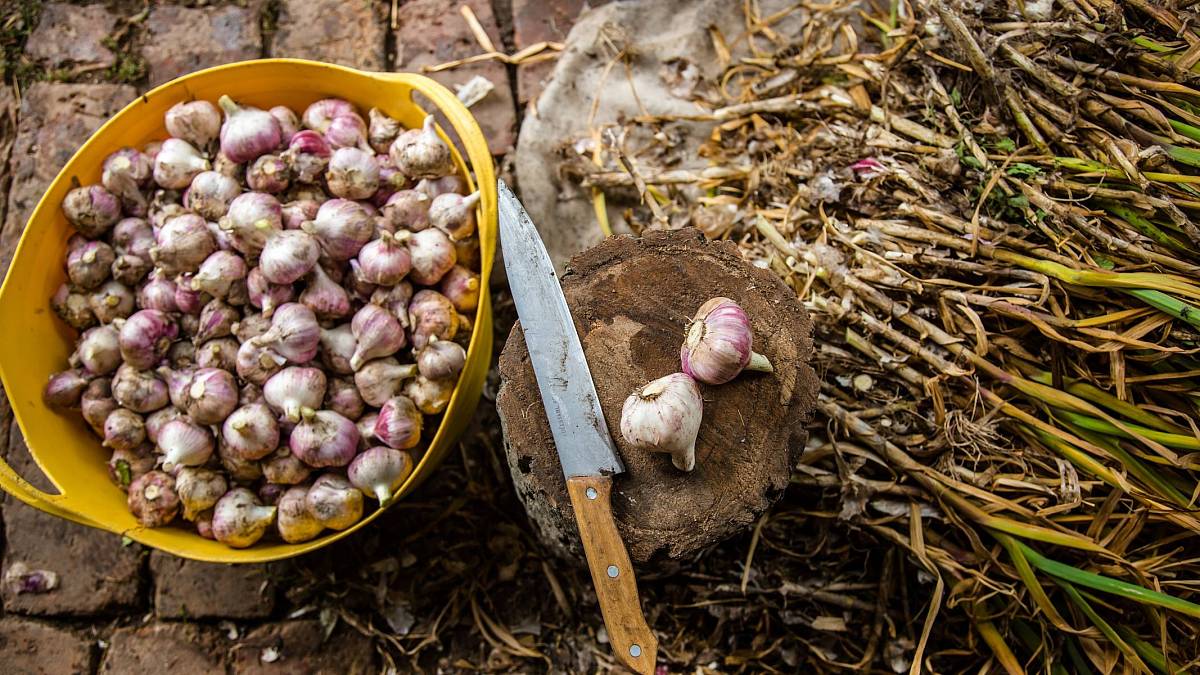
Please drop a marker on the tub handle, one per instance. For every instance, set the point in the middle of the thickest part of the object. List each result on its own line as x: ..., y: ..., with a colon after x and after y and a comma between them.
x: 45, y: 502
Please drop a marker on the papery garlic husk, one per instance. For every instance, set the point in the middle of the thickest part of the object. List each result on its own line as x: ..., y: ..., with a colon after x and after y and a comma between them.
x: 342, y: 397
x: 352, y: 174
x: 399, y: 423
x: 177, y: 384
x: 293, y: 389
x: 294, y: 334
x: 100, y: 350
x: 454, y: 214
x: 157, y: 293
x: 343, y: 227
x: 664, y: 416
x: 433, y: 255
x: 421, y: 153
x: 113, y: 300
x: 198, y: 490
x: 152, y: 499
x: 127, y: 465
x: 131, y: 269
x: 334, y: 502
x: 197, y: 122
x: 324, y: 438
x: 218, y: 272
x: 461, y: 288
x: 430, y: 396
x: 190, y: 302
x: 324, y: 296
x: 92, y: 210
x: 90, y: 264
x: 379, y: 380
x: 377, y: 334
x: 318, y: 115
x: 288, y: 256
x: 284, y: 468
x: 65, y: 389
x: 294, y: 522
x: 124, y: 430
x: 203, y: 524
x: 432, y: 315
x: 379, y: 472
x: 184, y: 443
x: 239, y: 519
x: 366, y: 430
x: 407, y: 210
x: 183, y: 243
x: 441, y: 359
x: 247, y: 132
x: 177, y: 163
x: 384, y: 261
x: 269, y: 173
x: 211, y: 396
x: 251, y: 326
x: 298, y: 211
x: 719, y: 343
x: 210, y: 194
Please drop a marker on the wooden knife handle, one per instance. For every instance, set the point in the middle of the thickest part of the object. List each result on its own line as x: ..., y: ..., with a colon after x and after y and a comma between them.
x: 612, y: 573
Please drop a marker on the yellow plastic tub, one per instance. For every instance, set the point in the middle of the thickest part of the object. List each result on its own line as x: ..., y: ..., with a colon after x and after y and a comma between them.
x: 36, y: 344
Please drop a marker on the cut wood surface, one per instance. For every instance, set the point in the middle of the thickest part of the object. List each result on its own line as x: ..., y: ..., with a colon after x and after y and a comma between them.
x: 632, y: 300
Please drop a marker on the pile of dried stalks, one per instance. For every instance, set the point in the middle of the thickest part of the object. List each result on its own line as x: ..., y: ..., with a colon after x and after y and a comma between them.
x: 989, y: 212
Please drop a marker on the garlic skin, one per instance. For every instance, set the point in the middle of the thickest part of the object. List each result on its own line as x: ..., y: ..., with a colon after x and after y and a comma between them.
x: 197, y: 122
x: 343, y: 227
x: 139, y: 390
x: 664, y: 416
x: 294, y: 522
x: 239, y: 519
x: 90, y: 264
x: 217, y: 353
x: 252, y: 219
x: 125, y: 173
x: 210, y: 194
x: 432, y: 316
x: 198, y: 490
x: 183, y: 243
x: 99, y: 350
x: 124, y: 430
x: 145, y: 337
x: 334, y: 502
x: 421, y: 153
x: 250, y: 432
x: 461, y: 288
x: 441, y: 359
x: 431, y: 396
x: 399, y: 423
x: 337, y: 346
x: 126, y: 466
x: 113, y: 300
x: 433, y: 255
x: 307, y: 156
x: 407, y: 210
x: 184, y: 443
x: 241, y: 470
x: 152, y: 499
x: 382, y: 130
x: 379, y: 380
x: 177, y: 163
x: 384, y: 261
x: 347, y: 130
x: 216, y: 321
x: 256, y: 363
x: 379, y: 472
x: 454, y: 214
x: 92, y: 210
x: 324, y: 439
x: 352, y: 173
x: 97, y: 403
x: 325, y: 297
x: 247, y: 132
x: 72, y: 307
x: 294, y: 333
x: 288, y: 256
x: 318, y: 115
x: 395, y: 300
x: 289, y: 124
x: 293, y: 390
x: 266, y: 295
x: 212, y: 395
x: 435, y: 187
x: 218, y: 273
x: 269, y: 173
x: 376, y: 333
x: 719, y: 344
x: 342, y: 397
x: 65, y: 390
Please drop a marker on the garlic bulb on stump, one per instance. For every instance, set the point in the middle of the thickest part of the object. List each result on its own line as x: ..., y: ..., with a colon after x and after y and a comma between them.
x: 718, y: 344
x: 664, y: 416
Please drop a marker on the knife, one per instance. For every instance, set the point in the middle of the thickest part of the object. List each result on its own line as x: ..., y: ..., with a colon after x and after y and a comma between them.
x: 586, y: 451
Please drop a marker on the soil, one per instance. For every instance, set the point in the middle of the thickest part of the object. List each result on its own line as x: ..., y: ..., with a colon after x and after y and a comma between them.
x: 632, y: 300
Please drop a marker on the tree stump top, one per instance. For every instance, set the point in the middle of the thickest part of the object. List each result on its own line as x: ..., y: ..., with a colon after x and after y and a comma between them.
x: 632, y: 300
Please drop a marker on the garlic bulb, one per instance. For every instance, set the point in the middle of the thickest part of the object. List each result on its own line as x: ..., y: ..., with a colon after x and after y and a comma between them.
x: 334, y: 502
x: 198, y: 490
x: 294, y: 521
x: 718, y: 344
x: 421, y: 153
x: 239, y: 519
x: 153, y: 500
x: 664, y: 416
x: 377, y: 472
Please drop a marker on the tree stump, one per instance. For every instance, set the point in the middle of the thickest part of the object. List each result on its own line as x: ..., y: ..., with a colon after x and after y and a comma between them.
x: 632, y: 300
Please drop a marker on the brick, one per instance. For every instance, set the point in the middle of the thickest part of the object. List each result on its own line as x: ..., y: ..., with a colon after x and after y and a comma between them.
x: 537, y: 21
x: 165, y: 648
x: 34, y: 647
x: 70, y: 34
x: 55, y: 119
x: 97, y: 574
x: 197, y: 590
x: 296, y: 648
x: 350, y: 33
x: 431, y: 32
x: 181, y: 40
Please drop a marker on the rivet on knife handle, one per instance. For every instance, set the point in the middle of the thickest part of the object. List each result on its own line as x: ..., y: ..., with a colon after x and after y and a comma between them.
x: 612, y: 573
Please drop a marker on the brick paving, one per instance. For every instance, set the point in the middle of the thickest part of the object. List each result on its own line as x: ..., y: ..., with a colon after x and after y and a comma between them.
x: 119, y: 608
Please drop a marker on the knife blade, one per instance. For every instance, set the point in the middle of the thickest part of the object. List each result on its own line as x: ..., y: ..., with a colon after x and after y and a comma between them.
x: 585, y: 448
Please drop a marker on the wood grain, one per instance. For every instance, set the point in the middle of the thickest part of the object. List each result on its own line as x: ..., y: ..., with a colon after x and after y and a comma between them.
x: 612, y: 573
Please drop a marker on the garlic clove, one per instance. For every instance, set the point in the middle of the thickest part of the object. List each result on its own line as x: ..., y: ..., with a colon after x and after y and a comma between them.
x: 343, y: 227
x: 664, y: 416
x: 212, y: 395
x: 719, y: 343
x: 384, y: 261
x: 432, y: 316
x: 289, y: 124
x: 379, y: 472
x: 218, y: 272
x: 461, y: 287
x: 343, y: 398
x: 294, y: 333
x: 124, y: 430
x: 433, y: 255
x: 441, y: 359
x: 65, y: 389
x: 324, y: 296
